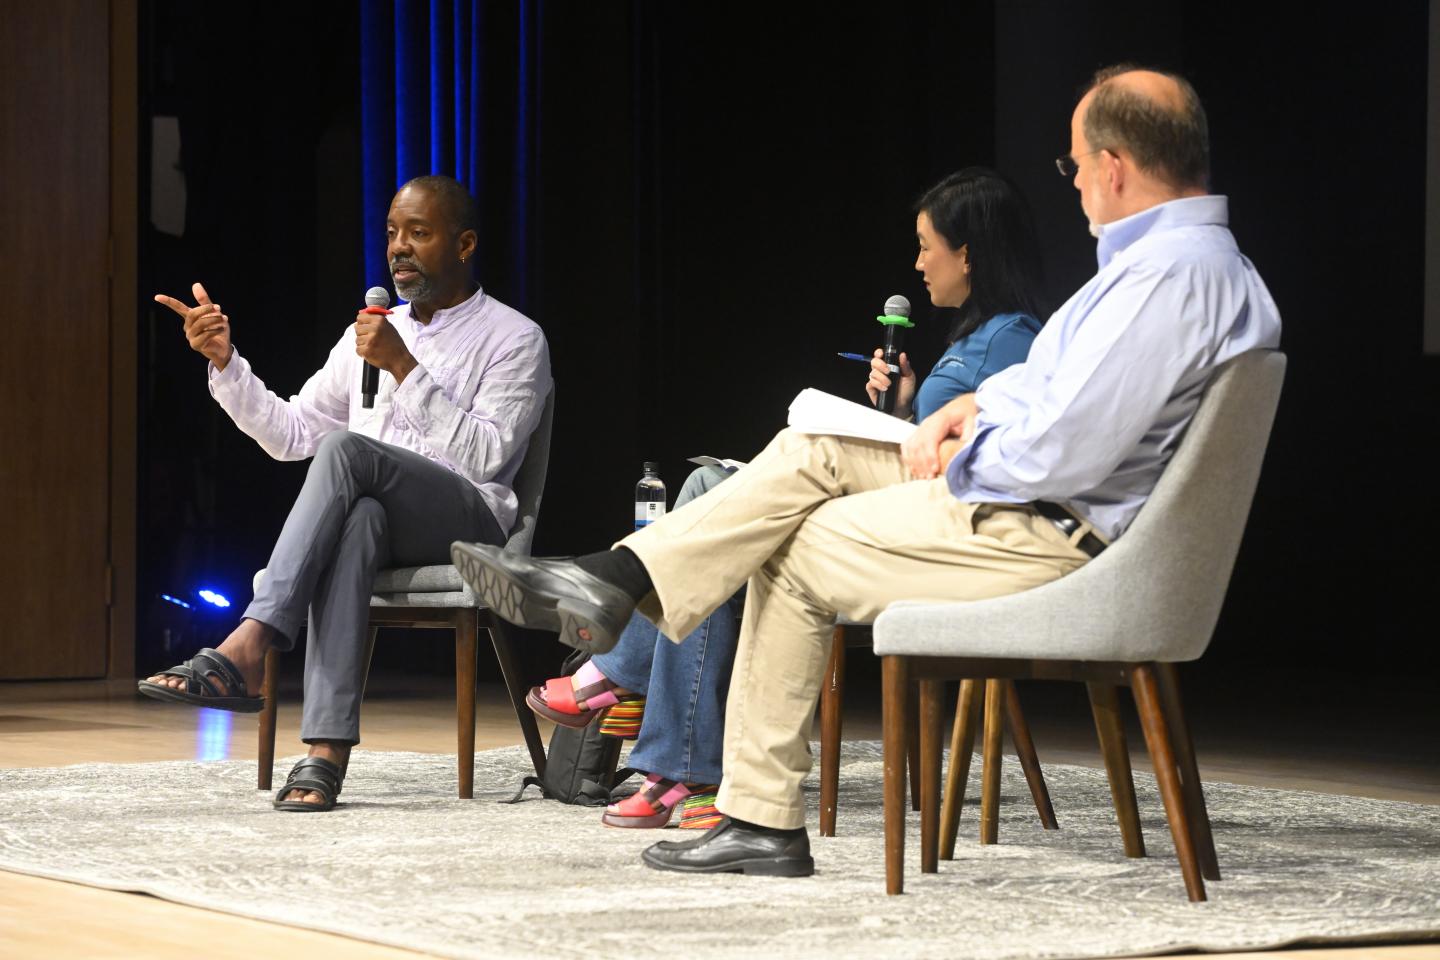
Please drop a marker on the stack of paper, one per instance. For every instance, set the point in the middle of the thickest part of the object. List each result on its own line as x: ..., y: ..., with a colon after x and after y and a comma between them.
x: 718, y: 462
x: 817, y: 412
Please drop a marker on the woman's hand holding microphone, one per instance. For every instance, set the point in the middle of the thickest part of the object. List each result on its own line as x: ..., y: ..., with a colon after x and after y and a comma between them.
x: 881, y: 380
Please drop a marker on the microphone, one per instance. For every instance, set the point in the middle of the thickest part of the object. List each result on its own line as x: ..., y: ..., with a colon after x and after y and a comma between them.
x: 897, y: 321
x: 376, y: 300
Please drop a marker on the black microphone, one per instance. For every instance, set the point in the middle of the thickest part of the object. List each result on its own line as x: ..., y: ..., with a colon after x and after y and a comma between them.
x: 897, y: 321
x: 376, y: 301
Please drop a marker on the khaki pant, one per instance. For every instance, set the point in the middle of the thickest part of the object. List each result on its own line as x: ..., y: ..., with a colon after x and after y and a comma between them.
x: 820, y: 526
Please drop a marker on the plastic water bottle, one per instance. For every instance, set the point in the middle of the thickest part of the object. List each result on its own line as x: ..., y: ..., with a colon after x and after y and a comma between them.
x: 649, y: 496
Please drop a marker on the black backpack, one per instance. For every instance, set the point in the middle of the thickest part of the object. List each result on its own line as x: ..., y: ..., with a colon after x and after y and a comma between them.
x: 580, y: 762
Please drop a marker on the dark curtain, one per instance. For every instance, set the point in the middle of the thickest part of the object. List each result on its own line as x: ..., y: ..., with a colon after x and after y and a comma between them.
x: 452, y: 87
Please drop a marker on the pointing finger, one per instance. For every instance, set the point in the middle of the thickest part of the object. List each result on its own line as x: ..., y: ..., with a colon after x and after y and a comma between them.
x: 172, y: 303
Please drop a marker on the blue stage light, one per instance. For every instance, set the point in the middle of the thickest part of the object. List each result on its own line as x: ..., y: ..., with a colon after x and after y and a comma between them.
x: 175, y: 600
x: 212, y: 734
x: 213, y: 598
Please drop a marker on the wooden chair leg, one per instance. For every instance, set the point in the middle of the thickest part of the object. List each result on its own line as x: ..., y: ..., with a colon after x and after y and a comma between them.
x: 1189, y: 771
x: 912, y: 738
x: 832, y: 701
x: 895, y: 692
x: 503, y: 640
x: 1029, y: 762
x: 962, y: 747
x: 932, y: 693
x: 467, y: 637
x: 1167, y: 775
x: 990, y: 762
x: 268, y: 715
x: 1105, y: 705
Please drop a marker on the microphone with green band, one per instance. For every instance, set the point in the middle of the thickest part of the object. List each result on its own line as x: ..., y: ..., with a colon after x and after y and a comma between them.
x: 897, y: 321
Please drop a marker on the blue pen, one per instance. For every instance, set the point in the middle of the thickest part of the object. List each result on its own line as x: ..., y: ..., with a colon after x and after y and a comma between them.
x: 854, y: 356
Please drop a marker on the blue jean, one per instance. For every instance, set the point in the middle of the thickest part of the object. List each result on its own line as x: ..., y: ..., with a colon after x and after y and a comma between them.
x: 685, y: 683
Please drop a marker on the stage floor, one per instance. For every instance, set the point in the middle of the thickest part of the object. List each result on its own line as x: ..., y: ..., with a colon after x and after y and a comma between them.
x: 1391, y: 754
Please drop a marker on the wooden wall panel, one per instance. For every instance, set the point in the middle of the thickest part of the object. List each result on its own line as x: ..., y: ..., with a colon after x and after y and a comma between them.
x: 124, y: 327
x: 54, y: 338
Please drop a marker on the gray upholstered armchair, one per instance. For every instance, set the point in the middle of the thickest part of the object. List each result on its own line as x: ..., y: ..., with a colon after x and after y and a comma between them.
x: 1124, y: 619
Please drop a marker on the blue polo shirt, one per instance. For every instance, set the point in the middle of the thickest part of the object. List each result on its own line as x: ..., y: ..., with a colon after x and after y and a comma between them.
x: 1000, y: 342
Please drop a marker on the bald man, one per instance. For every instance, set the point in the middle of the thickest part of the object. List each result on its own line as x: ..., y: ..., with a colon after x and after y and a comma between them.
x: 463, y: 384
x: 1001, y: 490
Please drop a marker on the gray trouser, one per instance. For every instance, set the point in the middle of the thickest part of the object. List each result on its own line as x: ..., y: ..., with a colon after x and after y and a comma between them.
x: 365, y: 505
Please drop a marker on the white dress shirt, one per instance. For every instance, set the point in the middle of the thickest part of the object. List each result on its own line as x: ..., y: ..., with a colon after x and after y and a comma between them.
x: 470, y: 405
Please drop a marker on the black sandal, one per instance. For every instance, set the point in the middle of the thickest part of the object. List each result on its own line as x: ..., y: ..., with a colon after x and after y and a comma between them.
x: 200, y: 691
x: 312, y: 774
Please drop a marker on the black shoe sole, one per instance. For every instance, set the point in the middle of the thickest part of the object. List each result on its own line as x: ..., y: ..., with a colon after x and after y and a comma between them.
x: 160, y: 691
x: 303, y: 806
x: 576, y: 615
x: 501, y: 594
x: 513, y: 602
x: 757, y: 867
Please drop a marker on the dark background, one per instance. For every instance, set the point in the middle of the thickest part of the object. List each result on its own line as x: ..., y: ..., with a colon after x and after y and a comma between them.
x: 724, y: 200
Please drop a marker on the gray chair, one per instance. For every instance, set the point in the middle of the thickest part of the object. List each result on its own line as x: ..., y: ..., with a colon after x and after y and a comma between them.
x: 1125, y: 618
x: 436, y: 597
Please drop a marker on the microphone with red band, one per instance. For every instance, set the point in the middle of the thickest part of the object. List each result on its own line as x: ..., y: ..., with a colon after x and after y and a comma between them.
x: 376, y: 301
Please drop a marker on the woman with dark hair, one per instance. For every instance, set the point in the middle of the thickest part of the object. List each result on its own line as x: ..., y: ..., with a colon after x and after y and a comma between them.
x: 978, y: 253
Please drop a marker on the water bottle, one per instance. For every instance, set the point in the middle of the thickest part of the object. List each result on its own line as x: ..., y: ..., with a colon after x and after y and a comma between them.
x: 649, y: 496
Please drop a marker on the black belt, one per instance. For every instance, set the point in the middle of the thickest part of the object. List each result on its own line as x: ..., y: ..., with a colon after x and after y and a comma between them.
x: 1068, y: 523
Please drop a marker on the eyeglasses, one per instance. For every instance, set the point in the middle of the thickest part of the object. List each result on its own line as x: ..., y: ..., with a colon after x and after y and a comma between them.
x: 1067, y: 165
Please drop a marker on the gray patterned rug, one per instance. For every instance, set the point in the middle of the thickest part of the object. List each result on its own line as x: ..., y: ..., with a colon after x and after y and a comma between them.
x: 403, y: 862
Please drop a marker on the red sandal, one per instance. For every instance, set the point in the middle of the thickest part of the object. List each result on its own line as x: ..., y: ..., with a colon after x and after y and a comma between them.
x: 559, y: 700
x: 655, y: 802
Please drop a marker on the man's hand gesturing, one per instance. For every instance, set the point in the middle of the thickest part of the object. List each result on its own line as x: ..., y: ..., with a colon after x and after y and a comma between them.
x: 206, y: 327
x: 379, y: 344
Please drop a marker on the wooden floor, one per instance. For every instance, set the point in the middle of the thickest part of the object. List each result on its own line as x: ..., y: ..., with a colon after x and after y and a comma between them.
x: 57, y: 724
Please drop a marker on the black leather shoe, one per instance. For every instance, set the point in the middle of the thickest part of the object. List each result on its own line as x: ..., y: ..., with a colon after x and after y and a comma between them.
x: 731, y: 847
x: 546, y: 595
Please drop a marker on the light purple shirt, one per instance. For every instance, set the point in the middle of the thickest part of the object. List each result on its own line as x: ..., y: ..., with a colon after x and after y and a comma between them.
x: 470, y: 405
x: 1093, y: 415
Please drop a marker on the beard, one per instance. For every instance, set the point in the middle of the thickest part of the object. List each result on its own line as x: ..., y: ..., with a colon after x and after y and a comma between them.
x: 421, y: 288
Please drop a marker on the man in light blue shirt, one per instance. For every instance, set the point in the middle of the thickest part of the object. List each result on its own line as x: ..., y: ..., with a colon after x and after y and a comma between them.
x: 1093, y: 415
x: 999, y: 491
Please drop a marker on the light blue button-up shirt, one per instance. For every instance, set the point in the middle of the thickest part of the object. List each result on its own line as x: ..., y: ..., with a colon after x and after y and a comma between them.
x: 1092, y: 416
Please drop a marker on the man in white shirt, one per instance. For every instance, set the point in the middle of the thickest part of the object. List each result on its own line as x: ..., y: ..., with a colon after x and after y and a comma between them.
x: 464, y: 380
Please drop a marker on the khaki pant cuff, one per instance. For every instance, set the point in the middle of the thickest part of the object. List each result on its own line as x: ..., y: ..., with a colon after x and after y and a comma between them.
x: 766, y: 812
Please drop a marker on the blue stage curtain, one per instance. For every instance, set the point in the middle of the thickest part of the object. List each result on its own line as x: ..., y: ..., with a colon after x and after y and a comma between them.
x: 452, y: 87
